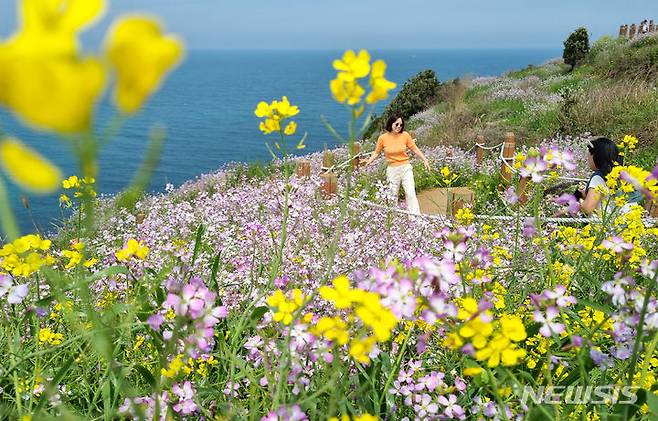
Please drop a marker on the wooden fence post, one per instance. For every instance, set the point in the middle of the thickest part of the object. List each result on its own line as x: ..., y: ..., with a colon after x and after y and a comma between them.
x: 523, y: 193
x: 303, y: 168
x: 633, y: 31
x: 139, y: 218
x: 327, y: 160
x: 329, y: 184
x: 356, y: 161
x: 479, y: 150
x: 508, y: 154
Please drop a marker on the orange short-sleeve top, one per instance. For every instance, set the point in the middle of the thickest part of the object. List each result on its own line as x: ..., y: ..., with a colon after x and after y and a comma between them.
x: 395, y: 147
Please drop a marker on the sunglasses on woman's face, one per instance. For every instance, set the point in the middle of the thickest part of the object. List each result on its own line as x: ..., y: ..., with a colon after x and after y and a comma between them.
x: 397, y: 124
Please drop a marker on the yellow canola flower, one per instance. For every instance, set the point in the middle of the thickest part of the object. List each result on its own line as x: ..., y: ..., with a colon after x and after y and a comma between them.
x: 333, y: 329
x: 71, y: 182
x: 55, y: 93
x: 47, y: 336
x: 380, y: 86
x: 500, y: 350
x: 353, y: 66
x: 290, y: 129
x: 141, y: 56
x: 27, y: 168
x: 341, y: 294
x: 346, y: 92
x: 52, y: 25
x: 284, y: 108
x: 360, y: 349
x: 133, y: 248
x: 285, y: 307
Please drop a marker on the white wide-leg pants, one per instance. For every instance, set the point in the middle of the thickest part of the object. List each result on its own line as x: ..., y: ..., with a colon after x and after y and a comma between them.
x: 404, y: 175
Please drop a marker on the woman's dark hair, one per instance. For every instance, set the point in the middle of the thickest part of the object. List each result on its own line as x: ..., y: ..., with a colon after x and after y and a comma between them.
x: 392, y: 119
x: 604, y: 153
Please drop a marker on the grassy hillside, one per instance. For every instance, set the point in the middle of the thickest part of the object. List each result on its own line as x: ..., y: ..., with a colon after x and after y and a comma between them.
x: 613, y: 93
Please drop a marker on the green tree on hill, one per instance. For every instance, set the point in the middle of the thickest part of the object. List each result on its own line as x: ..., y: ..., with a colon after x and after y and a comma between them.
x: 576, y: 47
x: 416, y: 95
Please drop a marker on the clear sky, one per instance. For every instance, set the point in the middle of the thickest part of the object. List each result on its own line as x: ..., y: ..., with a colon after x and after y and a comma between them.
x: 374, y: 24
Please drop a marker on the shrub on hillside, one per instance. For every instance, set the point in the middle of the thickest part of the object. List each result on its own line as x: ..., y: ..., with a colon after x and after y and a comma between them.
x: 576, y: 47
x: 416, y: 95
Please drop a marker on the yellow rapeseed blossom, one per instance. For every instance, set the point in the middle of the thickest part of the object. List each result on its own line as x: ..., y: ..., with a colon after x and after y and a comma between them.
x: 47, y: 336
x: 360, y: 349
x: 42, y: 78
x: 141, y: 55
x: 286, y: 307
x: 465, y: 216
x: 341, y: 295
x: 175, y: 366
x: 133, y: 248
x: 333, y: 329
x: 27, y: 168
x: 345, y: 88
x: 380, y: 86
x: 24, y: 256
x: 274, y: 114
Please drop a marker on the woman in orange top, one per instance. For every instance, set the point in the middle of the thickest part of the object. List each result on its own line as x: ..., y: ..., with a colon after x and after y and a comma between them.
x: 394, y: 143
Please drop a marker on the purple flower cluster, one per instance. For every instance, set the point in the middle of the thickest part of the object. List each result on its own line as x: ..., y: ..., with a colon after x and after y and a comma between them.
x: 547, y: 307
x: 286, y: 413
x: 196, y: 315
x: 429, y: 396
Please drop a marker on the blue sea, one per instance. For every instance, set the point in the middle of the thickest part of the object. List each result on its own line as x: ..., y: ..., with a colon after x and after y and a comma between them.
x: 207, y: 106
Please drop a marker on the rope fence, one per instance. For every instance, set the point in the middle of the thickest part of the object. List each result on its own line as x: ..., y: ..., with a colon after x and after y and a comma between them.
x: 328, y: 184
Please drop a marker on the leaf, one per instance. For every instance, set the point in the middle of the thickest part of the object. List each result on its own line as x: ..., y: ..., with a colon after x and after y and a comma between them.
x: 213, y: 271
x: 197, y: 242
x: 258, y: 313
x: 331, y: 129
x: 146, y: 374
x: 652, y: 403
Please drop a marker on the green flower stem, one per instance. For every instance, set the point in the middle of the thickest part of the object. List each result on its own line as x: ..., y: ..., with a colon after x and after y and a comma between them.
x: 394, y: 369
x: 497, y: 396
x: 640, y: 331
x: 9, y: 225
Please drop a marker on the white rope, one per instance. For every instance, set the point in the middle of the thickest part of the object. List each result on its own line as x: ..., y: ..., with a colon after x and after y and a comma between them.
x: 486, y: 148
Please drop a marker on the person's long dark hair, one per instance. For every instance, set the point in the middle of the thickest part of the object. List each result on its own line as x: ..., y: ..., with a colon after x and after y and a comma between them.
x: 604, y: 153
x: 392, y: 119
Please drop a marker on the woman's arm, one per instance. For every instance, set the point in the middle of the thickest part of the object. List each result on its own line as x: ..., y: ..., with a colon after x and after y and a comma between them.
x: 420, y: 155
x: 591, y: 201
x: 373, y: 156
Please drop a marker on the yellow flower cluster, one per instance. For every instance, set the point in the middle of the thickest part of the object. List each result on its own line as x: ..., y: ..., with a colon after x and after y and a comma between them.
x: 627, y: 144
x: 465, y: 216
x: 352, y: 67
x: 47, y: 336
x: 620, y: 186
x: 24, y: 256
x: 175, y: 366
x: 367, y: 308
x: 75, y: 256
x: 449, y: 177
x: 49, y: 83
x: 286, y: 307
x: 494, y: 342
x: 133, y: 248
x: 274, y: 114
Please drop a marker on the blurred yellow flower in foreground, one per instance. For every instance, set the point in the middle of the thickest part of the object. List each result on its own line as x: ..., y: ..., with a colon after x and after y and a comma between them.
x: 141, y: 55
x: 51, y: 26
x: 27, y: 168
x: 380, y: 86
x: 42, y: 79
x: 55, y: 93
x: 352, y: 67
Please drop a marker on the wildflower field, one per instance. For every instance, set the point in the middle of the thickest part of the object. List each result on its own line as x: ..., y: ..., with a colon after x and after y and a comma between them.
x: 248, y: 295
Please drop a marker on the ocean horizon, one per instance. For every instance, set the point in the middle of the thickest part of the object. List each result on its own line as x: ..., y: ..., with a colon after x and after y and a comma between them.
x: 207, y: 103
